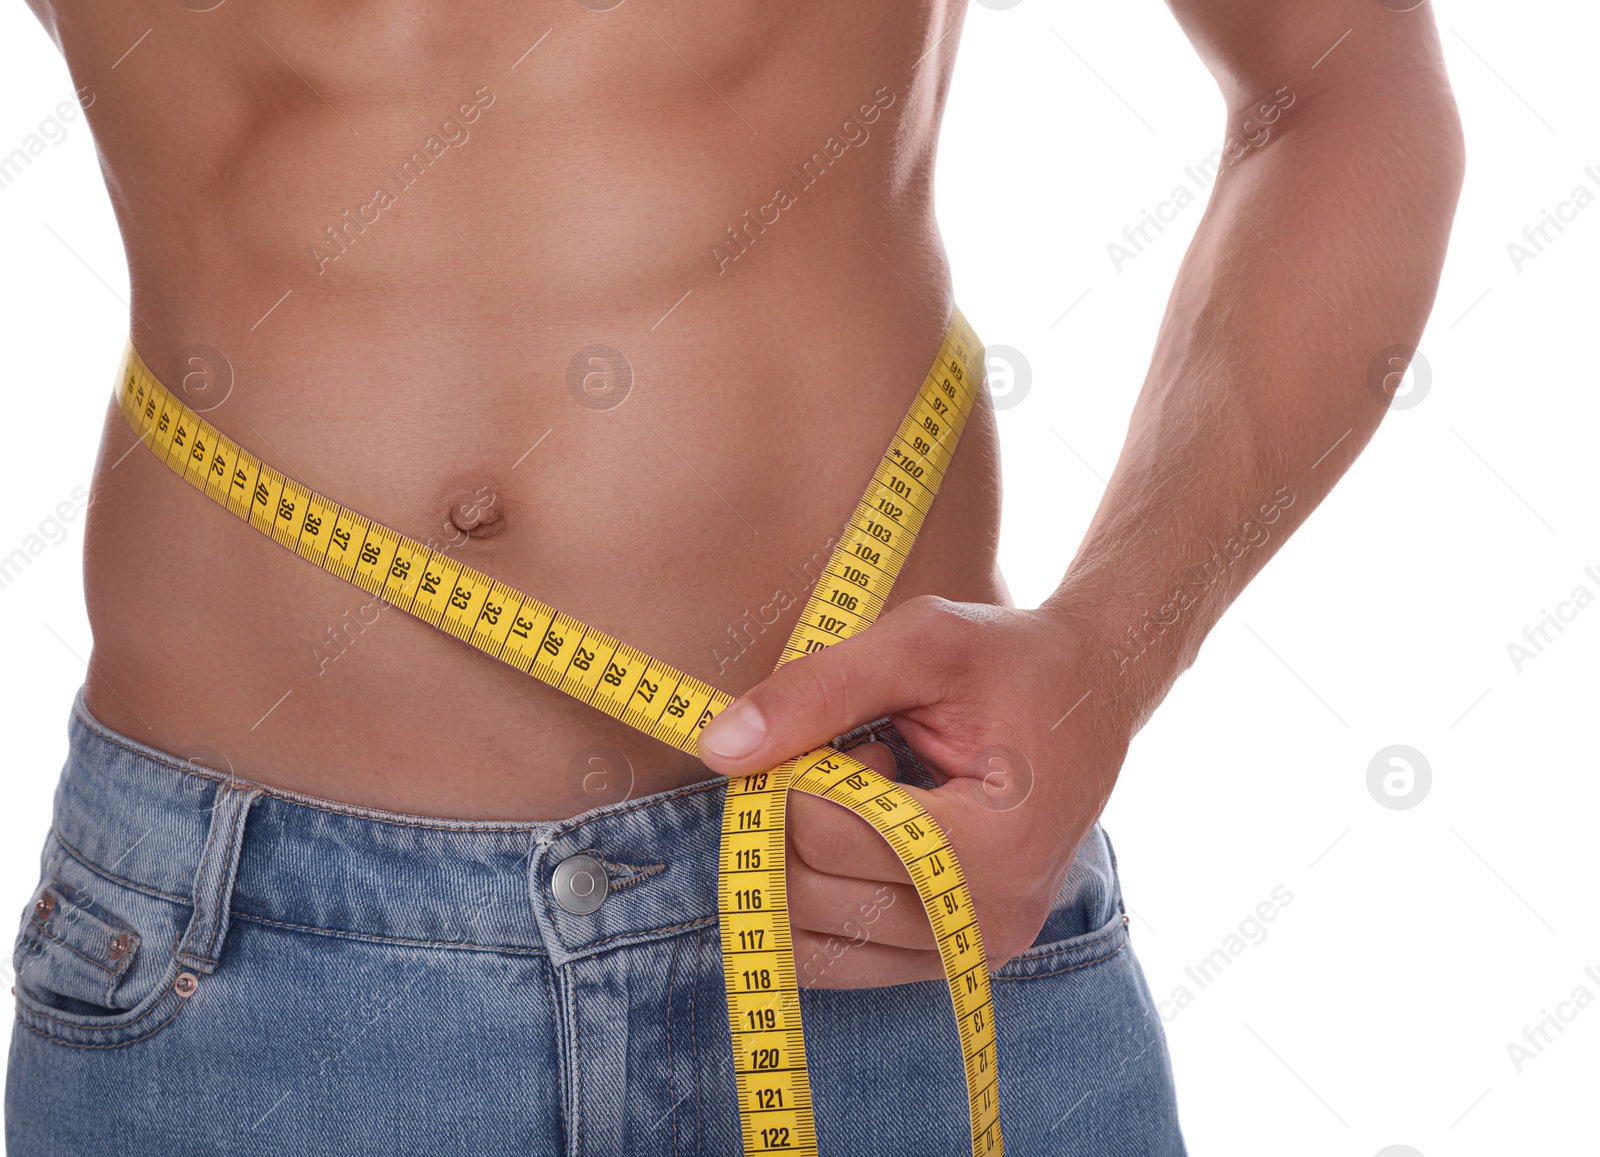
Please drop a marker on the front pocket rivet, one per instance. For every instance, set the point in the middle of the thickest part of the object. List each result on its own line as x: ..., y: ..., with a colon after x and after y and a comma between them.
x: 45, y: 906
x: 186, y: 983
x: 120, y: 946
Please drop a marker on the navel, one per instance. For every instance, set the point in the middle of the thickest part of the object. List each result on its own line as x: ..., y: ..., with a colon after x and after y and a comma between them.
x: 477, y: 513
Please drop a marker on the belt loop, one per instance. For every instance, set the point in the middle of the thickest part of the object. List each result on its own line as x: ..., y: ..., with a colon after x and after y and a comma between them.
x: 213, y: 880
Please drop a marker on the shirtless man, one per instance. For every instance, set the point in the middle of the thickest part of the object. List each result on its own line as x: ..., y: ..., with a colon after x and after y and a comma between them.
x: 568, y: 286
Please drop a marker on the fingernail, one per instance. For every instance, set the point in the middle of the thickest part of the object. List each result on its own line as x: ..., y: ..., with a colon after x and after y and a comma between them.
x: 735, y: 733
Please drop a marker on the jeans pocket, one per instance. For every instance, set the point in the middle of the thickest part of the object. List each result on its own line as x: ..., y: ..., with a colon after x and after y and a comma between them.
x: 1057, y: 956
x: 1086, y: 923
x: 93, y: 960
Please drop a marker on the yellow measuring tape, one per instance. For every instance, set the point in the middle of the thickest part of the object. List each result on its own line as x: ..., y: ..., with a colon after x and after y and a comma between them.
x: 774, y: 1090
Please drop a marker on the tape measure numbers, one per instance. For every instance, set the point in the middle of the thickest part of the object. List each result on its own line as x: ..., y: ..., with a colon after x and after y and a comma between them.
x: 773, y: 1086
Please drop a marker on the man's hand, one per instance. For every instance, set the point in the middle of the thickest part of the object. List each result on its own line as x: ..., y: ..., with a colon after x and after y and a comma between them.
x: 1000, y: 705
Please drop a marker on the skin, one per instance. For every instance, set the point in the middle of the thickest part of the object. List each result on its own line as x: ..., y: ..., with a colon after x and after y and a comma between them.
x: 410, y: 378
x: 421, y: 377
x: 1259, y: 391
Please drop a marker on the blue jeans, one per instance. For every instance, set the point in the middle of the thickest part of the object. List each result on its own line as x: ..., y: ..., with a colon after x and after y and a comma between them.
x: 210, y: 966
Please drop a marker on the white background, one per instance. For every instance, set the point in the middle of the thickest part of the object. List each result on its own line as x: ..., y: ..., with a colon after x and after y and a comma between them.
x: 1419, y: 942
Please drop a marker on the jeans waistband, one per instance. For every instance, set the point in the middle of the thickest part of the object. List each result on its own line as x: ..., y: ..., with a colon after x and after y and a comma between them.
x: 151, y: 821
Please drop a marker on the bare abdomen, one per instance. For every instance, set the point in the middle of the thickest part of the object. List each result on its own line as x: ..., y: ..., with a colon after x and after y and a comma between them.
x: 581, y: 311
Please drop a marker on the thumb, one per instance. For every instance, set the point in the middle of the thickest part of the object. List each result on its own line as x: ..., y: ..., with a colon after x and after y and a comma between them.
x: 805, y: 703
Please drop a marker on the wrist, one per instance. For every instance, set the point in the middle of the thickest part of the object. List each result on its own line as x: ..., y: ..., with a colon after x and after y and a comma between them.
x: 1128, y: 649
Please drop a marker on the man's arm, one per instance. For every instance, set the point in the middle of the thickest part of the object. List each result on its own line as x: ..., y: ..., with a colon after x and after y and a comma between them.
x: 1318, y: 255
x: 1306, y: 286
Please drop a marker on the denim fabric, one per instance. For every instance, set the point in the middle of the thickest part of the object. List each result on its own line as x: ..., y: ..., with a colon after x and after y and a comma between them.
x: 211, y: 966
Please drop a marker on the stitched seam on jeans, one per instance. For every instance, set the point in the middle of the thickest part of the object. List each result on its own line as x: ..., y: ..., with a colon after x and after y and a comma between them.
x: 561, y: 1071
x: 635, y: 872
x: 700, y: 923
x: 69, y: 851
x: 205, y: 860
x: 672, y: 968
x: 694, y: 1042
x: 79, y: 1045
x: 1049, y: 950
x: 114, y: 975
x: 391, y: 819
x: 91, y: 1027
x: 215, y: 914
x: 215, y: 911
x: 639, y: 875
x: 344, y: 933
x: 577, y: 1069
x: 201, y: 915
x: 48, y: 935
x: 692, y: 789
x: 191, y: 957
x: 1068, y: 968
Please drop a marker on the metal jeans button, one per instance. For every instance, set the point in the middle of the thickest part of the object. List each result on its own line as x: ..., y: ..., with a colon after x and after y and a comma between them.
x: 579, y: 884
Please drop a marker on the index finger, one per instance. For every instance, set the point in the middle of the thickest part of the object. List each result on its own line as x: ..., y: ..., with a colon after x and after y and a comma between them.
x: 831, y: 838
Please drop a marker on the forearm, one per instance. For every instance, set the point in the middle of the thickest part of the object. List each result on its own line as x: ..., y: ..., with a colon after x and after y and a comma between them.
x: 1318, y: 251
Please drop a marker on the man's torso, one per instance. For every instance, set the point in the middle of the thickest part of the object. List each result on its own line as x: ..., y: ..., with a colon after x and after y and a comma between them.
x: 433, y: 246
